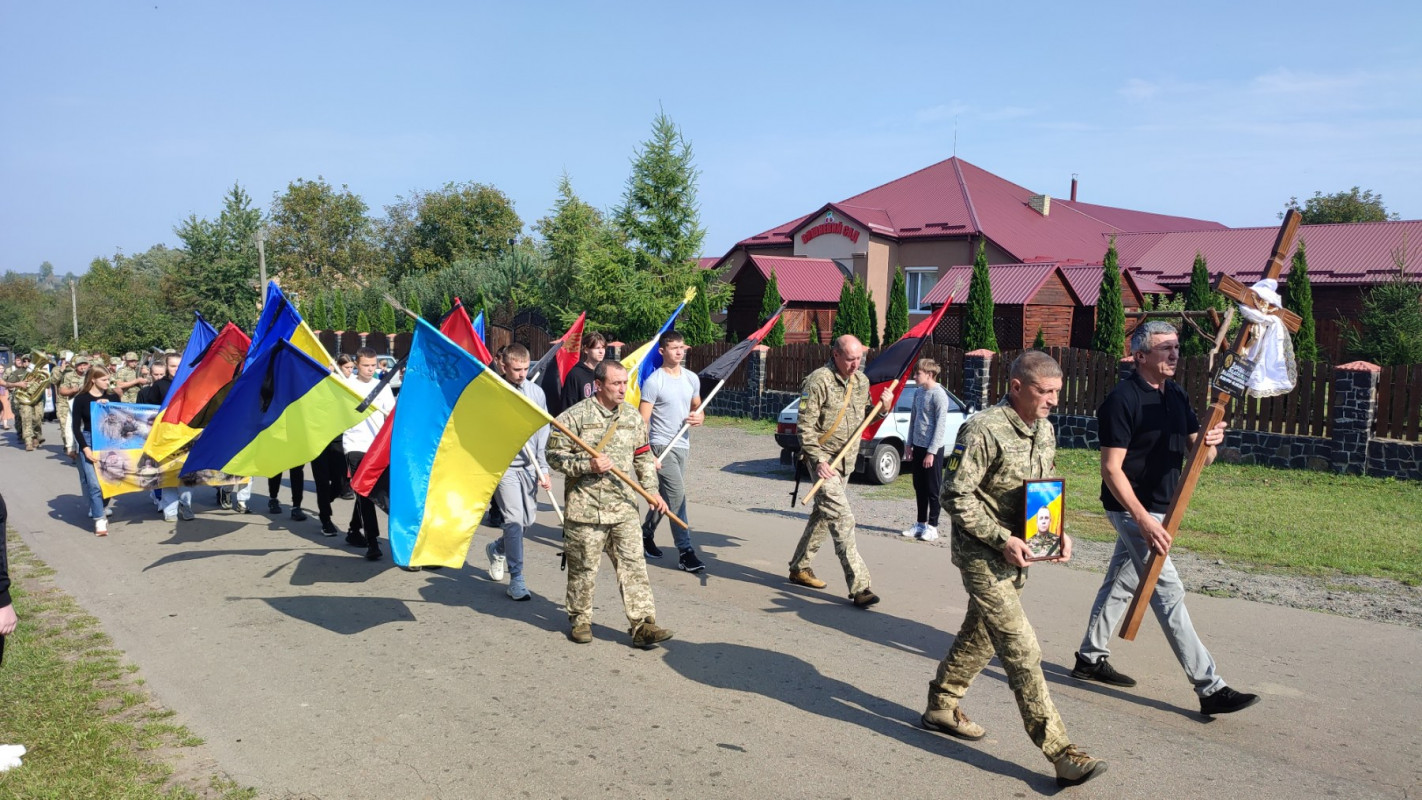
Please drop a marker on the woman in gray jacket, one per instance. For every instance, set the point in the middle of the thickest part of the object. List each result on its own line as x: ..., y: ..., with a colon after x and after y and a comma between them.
x: 928, y: 429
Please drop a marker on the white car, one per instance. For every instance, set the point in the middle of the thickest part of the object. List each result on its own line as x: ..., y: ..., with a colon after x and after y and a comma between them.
x: 881, y: 458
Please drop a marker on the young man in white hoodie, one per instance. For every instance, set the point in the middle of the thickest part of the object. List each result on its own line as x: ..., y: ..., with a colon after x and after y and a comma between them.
x: 365, y: 527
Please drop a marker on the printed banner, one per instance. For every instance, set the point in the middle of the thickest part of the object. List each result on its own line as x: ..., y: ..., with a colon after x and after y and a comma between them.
x: 119, y: 431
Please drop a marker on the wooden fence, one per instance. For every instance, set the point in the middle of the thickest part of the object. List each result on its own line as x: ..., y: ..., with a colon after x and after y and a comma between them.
x: 1087, y: 377
x: 787, y: 366
x: 1399, y: 403
x: 700, y: 357
x: 1302, y: 412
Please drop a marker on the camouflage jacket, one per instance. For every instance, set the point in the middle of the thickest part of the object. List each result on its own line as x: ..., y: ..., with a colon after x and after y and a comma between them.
x: 17, y: 375
x: 70, y: 379
x: 602, y: 499
x: 821, y: 398
x: 124, y: 375
x: 995, y: 452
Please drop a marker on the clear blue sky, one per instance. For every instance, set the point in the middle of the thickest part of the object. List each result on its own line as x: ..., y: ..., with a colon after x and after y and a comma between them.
x: 120, y: 118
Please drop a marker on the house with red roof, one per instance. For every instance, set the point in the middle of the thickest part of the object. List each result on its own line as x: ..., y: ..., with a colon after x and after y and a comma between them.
x: 927, y: 223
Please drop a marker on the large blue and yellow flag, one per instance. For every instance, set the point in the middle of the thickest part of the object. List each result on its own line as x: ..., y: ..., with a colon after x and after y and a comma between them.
x: 281, y: 321
x: 458, y: 428
x: 648, y: 358
x: 280, y: 413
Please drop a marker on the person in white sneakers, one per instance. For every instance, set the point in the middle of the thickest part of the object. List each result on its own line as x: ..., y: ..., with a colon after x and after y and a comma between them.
x: 928, y: 430
x: 517, y: 494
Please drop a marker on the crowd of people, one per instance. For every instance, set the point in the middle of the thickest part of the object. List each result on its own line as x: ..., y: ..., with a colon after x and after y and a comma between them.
x: 1146, y: 429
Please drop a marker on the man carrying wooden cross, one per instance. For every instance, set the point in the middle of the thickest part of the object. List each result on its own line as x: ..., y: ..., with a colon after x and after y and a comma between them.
x: 1145, y: 424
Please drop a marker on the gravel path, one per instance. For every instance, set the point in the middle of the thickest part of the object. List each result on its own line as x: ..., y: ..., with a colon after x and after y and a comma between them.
x: 732, y: 468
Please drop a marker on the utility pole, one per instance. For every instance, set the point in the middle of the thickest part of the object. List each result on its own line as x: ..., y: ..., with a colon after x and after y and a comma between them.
x: 261, y: 237
x: 74, y: 305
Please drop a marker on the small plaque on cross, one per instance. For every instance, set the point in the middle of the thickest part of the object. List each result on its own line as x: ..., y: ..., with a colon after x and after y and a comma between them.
x: 1233, y: 376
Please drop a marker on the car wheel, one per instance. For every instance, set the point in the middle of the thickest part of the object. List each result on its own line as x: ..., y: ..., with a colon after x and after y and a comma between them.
x: 887, y: 459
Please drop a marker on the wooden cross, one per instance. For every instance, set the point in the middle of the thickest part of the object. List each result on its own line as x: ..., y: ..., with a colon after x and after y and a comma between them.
x: 1245, y: 296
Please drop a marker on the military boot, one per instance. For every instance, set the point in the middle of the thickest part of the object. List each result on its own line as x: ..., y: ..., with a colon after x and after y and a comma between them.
x: 1075, y: 767
x: 647, y: 634
x: 806, y: 577
x: 953, y: 722
x: 581, y: 633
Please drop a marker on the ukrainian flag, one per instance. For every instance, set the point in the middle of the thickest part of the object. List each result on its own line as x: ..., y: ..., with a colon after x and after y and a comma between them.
x: 280, y: 413
x: 189, y: 406
x: 281, y: 321
x: 648, y: 358
x: 458, y: 428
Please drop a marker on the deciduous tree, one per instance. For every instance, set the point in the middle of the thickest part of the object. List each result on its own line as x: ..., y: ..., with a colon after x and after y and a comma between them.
x: 319, y: 237
x: 1353, y: 205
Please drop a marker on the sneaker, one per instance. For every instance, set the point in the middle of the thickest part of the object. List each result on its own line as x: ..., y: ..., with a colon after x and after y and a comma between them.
x: 806, y: 577
x: 497, y: 562
x: 328, y: 528
x: 273, y: 507
x: 517, y: 590
x: 864, y: 598
x: 688, y: 562
x: 347, y: 494
x: 224, y: 499
x: 355, y: 539
x: 1075, y: 767
x: 297, y: 514
x: 646, y: 635
x: 109, y: 508
x: 240, y: 507
x: 581, y: 633
x: 1226, y: 701
x: 101, y: 527
x: 170, y: 517
x: 651, y: 549
x: 374, y: 554
x: 185, y: 512
x: 914, y: 532
x: 1100, y: 671
x: 930, y: 533
x: 953, y: 722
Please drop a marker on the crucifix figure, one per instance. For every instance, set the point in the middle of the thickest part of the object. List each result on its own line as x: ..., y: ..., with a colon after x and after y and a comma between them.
x: 1230, y: 381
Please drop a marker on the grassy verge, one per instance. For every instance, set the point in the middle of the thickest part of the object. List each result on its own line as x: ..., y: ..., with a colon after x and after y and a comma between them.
x: 90, y: 728
x: 1312, y: 523
x: 753, y: 426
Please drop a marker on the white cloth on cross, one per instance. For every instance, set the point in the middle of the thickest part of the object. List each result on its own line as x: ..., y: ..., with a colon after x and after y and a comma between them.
x: 1275, y: 372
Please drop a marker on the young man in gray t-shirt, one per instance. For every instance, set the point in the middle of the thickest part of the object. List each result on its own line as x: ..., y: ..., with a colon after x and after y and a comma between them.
x: 671, y: 397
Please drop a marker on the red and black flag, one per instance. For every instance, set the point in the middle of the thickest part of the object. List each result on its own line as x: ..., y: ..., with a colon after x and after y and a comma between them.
x: 715, y: 373
x: 896, y: 362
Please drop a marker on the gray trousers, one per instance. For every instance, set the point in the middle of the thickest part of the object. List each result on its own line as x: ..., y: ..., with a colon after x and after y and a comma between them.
x: 518, y: 499
x: 671, y: 485
x: 1168, y: 603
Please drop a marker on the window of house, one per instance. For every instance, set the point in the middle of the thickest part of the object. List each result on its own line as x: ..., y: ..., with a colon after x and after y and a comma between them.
x: 918, y: 282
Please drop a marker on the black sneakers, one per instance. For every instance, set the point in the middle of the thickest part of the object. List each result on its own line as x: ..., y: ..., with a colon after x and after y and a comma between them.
x: 651, y: 548
x: 688, y: 562
x: 328, y: 528
x: 297, y: 514
x: 1226, y: 701
x: 1100, y: 671
x: 273, y: 506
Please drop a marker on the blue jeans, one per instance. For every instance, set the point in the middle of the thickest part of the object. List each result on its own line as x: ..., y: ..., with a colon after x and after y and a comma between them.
x: 171, y: 498
x: 1168, y: 603
x: 89, y: 488
x: 671, y: 485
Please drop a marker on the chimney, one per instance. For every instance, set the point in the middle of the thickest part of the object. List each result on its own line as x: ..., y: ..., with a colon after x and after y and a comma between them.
x: 1041, y: 203
x: 1073, y: 187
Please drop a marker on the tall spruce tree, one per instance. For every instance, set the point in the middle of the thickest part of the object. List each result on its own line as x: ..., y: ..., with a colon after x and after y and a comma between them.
x: 871, y: 314
x: 896, y: 320
x: 362, y: 322
x: 387, y: 318
x: 340, y: 319
x: 1110, y: 334
x: 978, y: 331
x: 769, y: 304
x: 844, y: 313
x: 659, y: 216
x: 317, y: 318
x: 1298, y: 298
x: 1199, y: 297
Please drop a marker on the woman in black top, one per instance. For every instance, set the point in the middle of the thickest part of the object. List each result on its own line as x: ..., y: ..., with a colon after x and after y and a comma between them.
x: 95, y: 390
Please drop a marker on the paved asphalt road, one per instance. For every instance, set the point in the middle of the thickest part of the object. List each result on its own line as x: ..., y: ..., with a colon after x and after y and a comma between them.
x: 313, y: 673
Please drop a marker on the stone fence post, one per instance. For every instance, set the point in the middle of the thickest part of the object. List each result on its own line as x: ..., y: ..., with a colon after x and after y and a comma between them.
x: 755, y: 382
x: 977, y: 377
x: 1353, y: 411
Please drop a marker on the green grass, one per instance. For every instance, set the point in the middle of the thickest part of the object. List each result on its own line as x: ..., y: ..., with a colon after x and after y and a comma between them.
x: 1294, y: 521
x: 754, y: 426
x: 90, y: 728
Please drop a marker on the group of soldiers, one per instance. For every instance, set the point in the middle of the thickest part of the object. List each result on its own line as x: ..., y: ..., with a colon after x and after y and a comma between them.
x: 36, y: 381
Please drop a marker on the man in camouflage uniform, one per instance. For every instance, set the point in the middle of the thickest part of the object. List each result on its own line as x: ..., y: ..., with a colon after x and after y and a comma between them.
x: 28, y: 415
x: 600, y: 512
x: 128, y: 378
x: 67, y: 384
x: 995, y: 452
x: 834, y: 399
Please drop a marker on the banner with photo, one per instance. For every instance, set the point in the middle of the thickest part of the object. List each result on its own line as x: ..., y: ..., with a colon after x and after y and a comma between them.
x: 118, y: 432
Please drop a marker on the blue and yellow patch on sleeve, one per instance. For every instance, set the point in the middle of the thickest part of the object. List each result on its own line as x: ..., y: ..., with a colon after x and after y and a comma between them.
x: 955, y: 459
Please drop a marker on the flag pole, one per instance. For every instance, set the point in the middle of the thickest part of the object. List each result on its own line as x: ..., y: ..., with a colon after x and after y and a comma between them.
x: 868, y: 418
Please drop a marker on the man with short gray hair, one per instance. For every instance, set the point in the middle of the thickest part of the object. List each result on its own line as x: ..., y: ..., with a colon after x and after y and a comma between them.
x: 1146, y: 426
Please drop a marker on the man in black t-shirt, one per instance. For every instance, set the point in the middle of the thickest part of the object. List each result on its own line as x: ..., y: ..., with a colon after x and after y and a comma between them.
x: 1146, y: 428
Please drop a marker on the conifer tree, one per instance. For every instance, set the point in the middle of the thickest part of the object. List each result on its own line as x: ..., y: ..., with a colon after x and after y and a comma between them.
x: 769, y: 304
x: 340, y: 320
x: 896, y: 320
x: 362, y: 322
x: 1298, y: 298
x: 317, y: 319
x: 1039, y: 343
x: 871, y: 315
x: 814, y: 330
x: 978, y: 331
x: 387, y: 318
x: 844, y: 313
x: 1199, y: 297
x: 695, y: 323
x: 1110, y: 334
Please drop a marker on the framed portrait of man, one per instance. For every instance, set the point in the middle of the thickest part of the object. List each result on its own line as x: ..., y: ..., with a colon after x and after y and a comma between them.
x: 1043, y: 506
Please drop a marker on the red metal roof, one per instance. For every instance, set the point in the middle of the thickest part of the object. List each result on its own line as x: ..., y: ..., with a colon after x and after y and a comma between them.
x: 1012, y: 284
x: 803, y: 280
x: 956, y: 198
x: 1085, y: 280
x: 707, y: 263
x: 1358, y: 253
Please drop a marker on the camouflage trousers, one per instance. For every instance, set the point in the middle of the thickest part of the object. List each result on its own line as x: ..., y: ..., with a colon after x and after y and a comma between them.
x: 831, y: 516
x: 28, y: 422
x: 584, y: 543
x: 996, y: 623
x: 61, y: 415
